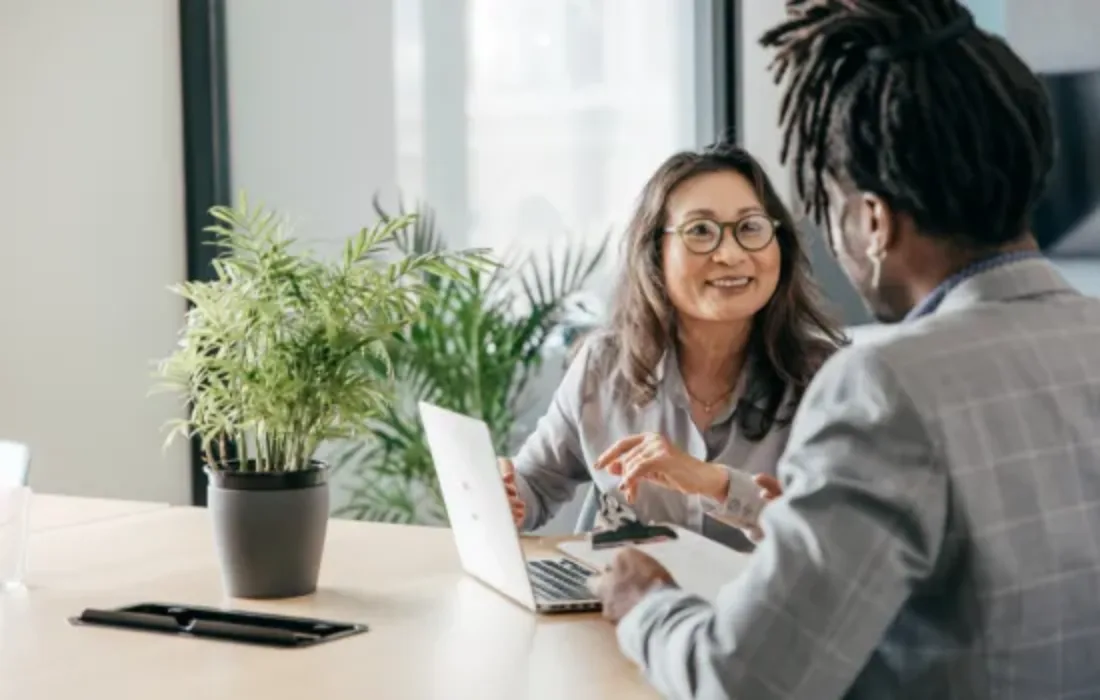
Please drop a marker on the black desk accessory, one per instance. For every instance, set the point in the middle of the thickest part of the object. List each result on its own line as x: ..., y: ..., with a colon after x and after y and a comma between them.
x: 229, y: 625
x: 624, y: 526
x: 631, y: 532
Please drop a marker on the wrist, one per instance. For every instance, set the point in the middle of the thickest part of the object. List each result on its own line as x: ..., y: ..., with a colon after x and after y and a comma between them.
x: 718, y: 482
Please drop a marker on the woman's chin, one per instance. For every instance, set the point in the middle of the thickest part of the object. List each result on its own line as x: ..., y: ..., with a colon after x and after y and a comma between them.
x: 728, y: 311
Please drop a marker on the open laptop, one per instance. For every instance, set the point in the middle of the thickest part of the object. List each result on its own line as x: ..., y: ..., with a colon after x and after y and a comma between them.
x: 481, y: 520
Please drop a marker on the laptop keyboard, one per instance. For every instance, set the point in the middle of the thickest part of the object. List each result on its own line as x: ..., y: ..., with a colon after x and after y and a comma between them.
x: 556, y: 580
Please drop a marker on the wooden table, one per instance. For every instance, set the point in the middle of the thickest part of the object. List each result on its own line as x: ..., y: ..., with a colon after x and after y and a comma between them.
x: 49, y: 512
x: 435, y: 633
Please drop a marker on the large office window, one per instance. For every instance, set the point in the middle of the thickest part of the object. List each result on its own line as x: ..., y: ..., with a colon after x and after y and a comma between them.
x: 524, y: 123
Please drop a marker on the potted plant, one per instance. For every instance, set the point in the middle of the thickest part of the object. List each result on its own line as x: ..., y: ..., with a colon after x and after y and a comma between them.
x: 476, y: 352
x: 282, y: 351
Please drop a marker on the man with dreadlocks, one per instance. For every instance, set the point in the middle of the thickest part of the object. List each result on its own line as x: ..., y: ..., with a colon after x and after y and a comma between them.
x: 939, y: 534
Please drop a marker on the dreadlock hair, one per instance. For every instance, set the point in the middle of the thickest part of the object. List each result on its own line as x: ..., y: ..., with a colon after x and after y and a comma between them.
x: 910, y: 101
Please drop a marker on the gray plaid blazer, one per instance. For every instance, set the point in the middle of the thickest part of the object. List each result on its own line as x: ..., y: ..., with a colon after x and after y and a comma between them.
x: 940, y: 532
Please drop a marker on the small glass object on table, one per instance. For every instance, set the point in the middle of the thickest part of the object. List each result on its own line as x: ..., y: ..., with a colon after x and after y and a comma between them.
x: 15, y: 509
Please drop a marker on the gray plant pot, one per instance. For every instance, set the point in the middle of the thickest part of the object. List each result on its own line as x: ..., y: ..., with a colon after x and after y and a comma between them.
x: 269, y: 530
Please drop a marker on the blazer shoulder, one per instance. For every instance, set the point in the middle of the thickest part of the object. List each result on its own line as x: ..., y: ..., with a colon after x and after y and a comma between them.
x: 864, y: 370
x: 903, y: 364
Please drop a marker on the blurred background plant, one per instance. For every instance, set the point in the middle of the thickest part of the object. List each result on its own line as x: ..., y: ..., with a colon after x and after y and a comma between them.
x: 475, y: 351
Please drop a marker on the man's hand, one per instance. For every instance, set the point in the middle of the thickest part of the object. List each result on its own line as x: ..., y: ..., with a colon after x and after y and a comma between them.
x: 628, y: 579
x: 652, y: 457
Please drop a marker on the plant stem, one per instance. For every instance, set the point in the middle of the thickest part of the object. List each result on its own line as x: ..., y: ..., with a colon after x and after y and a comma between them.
x: 261, y: 447
x: 272, y: 451
x: 242, y: 448
x: 265, y: 449
x: 223, y: 451
x: 292, y: 452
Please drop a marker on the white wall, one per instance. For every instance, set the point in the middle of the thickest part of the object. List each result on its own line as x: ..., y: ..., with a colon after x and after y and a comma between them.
x: 1054, y: 36
x: 311, y: 109
x: 91, y: 190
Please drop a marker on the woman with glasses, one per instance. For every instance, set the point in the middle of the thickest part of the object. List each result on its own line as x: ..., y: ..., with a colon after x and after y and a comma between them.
x: 674, y: 409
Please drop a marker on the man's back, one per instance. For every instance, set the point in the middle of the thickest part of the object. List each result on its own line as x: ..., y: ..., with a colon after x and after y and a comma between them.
x: 938, y: 532
x: 1006, y: 378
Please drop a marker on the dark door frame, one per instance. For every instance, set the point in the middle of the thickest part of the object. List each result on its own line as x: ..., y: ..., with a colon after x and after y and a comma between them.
x: 205, y: 150
x: 727, y: 71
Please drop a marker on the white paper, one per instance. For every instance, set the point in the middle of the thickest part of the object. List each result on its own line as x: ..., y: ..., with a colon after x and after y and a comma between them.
x: 14, y: 511
x: 743, y: 501
x: 699, y: 565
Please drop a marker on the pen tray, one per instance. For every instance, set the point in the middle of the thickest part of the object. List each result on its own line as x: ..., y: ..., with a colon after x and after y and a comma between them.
x: 631, y: 533
x: 226, y: 625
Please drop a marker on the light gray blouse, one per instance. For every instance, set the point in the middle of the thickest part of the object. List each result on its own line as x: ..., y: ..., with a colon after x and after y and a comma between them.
x: 587, y: 416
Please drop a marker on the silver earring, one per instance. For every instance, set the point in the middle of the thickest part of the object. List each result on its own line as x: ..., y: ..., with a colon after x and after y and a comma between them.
x: 876, y: 270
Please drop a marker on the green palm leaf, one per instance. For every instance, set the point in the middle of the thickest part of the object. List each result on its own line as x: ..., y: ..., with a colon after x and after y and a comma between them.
x: 284, y: 350
x: 479, y: 342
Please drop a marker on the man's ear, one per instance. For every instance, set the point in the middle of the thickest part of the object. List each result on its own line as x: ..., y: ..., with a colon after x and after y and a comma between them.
x: 878, y: 224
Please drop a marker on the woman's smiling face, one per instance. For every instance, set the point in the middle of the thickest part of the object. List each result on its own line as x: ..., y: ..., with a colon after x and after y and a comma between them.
x: 733, y: 281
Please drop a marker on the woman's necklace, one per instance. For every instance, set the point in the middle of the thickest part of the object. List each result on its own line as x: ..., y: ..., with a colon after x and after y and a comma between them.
x: 709, y: 406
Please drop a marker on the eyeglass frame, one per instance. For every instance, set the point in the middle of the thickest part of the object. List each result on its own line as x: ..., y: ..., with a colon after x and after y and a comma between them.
x: 722, y: 226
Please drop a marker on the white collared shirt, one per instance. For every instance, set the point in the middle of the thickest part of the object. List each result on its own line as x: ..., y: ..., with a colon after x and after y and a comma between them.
x: 588, y: 415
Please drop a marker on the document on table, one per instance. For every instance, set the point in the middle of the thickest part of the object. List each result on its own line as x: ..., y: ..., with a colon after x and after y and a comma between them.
x: 699, y: 565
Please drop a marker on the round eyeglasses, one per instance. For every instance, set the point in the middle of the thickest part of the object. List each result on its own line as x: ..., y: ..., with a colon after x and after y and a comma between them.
x: 704, y: 236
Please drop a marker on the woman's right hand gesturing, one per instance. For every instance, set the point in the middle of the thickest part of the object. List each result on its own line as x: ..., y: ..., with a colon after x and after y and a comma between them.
x: 508, y: 474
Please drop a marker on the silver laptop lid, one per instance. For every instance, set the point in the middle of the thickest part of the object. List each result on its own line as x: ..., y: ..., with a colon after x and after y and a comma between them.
x: 477, y: 506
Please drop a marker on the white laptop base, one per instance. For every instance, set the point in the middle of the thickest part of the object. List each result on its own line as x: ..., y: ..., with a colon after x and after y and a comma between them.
x: 481, y: 520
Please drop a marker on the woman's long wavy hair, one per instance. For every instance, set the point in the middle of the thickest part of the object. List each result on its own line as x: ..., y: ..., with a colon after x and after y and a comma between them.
x: 791, y: 336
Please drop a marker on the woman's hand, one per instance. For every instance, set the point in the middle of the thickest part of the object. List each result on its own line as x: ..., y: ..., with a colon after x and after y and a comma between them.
x: 651, y: 457
x: 508, y: 474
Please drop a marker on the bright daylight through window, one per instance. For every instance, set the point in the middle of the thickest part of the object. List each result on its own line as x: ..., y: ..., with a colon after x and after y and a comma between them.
x: 522, y: 122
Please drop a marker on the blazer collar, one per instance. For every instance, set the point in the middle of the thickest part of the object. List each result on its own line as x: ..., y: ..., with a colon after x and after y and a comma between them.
x: 1024, y: 279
